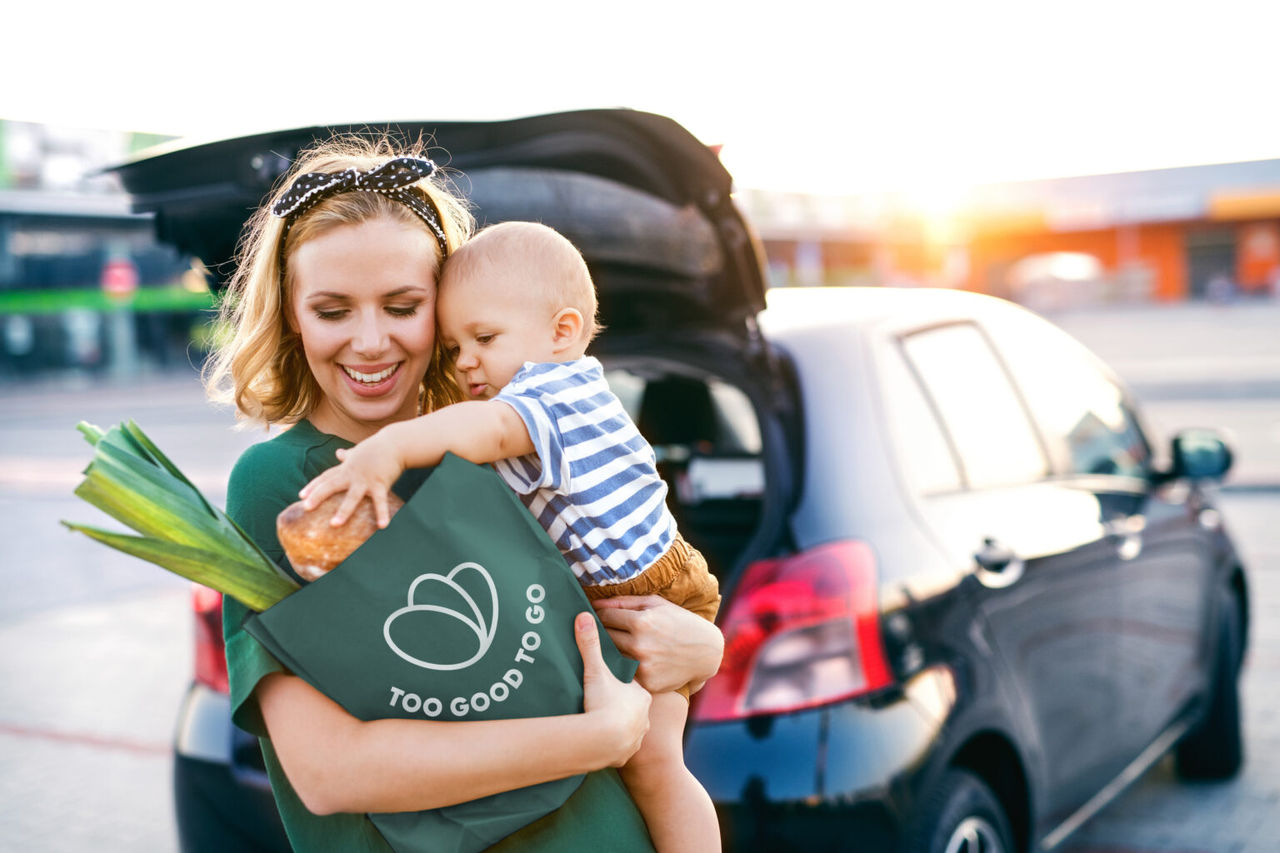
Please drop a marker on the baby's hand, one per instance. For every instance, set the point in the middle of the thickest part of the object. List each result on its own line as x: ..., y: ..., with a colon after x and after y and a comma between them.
x: 369, y: 468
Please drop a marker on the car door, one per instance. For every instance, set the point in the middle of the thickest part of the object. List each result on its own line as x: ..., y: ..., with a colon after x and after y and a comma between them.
x: 1162, y: 550
x: 1042, y: 562
x: 1166, y: 571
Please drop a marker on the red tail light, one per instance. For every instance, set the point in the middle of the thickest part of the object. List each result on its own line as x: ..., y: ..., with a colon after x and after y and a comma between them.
x: 800, y: 631
x: 211, y: 658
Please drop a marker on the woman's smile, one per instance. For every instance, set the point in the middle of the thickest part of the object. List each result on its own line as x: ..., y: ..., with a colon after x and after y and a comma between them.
x: 372, y: 381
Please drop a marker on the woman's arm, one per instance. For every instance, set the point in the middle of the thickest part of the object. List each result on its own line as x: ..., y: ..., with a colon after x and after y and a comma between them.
x: 337, y: 763
x: 674, y: 647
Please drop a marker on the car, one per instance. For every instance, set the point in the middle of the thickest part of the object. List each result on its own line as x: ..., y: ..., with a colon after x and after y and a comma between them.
x: 967, y: 598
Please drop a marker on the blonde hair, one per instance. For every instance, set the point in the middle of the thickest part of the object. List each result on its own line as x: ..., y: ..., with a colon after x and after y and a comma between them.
x: 537, y: 256
x: 259, y: 366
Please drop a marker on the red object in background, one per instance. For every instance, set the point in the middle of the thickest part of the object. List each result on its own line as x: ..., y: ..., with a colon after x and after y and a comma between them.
x: 119, y: 277
x: 211, y: 659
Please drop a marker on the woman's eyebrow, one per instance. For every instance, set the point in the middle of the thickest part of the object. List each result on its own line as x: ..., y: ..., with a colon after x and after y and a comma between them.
x: 410, y: 289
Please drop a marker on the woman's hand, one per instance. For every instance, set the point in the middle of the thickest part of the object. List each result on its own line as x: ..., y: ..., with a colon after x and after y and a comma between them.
x: 619, y: 708
x: 673, y: 646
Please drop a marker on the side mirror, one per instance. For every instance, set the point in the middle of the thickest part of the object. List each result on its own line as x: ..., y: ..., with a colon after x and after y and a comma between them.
x: 1200, y: 454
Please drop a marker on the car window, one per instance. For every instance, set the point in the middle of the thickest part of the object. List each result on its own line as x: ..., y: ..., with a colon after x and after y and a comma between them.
x: 924, y: 457
x: 1086, y: 425
x: 979, y: 407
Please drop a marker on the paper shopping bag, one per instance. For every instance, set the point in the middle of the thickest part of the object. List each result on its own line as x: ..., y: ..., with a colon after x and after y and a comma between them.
x: 461, y: 609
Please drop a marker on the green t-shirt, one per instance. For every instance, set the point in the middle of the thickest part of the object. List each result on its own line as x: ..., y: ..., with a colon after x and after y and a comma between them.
x: 599, y: 816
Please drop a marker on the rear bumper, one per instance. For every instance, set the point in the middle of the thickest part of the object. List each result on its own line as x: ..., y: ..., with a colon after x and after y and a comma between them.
x: 205, y: 733
x: 222, y: 798
x: 843, y: 777
x: 800, y: 828
x: 204, y: 725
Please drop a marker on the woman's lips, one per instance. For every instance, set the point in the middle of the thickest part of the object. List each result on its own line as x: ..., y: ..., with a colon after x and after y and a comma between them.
x: 372, y: 380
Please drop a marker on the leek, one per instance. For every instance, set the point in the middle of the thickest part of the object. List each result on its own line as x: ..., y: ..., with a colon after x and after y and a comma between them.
x: 131, y: 480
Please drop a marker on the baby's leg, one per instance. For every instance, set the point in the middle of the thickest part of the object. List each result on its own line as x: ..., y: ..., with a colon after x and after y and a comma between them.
x: 674, y: 804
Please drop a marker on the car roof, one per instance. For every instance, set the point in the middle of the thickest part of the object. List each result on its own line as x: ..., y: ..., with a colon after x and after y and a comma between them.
x: 798, y: 308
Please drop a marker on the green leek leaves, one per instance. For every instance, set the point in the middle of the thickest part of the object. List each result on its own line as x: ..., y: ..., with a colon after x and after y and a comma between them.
x: 133, y: 482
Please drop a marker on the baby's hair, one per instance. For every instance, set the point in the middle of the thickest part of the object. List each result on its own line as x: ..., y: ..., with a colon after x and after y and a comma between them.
x: 258, y: 364
x: 536, y: 255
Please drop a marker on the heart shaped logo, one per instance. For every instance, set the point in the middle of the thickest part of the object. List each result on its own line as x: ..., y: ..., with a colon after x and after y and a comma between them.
x: 437, y: 606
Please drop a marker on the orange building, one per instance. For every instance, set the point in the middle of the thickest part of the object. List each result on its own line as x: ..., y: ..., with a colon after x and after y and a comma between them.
x: 1172, y: 233
x: 1165, y: 234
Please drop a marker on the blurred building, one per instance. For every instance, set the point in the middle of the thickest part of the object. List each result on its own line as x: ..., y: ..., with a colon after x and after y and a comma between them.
x: 83, y: 283
x: 1168, y: 234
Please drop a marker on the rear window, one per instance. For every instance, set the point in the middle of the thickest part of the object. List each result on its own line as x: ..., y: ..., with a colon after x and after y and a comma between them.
x: 925, y: 457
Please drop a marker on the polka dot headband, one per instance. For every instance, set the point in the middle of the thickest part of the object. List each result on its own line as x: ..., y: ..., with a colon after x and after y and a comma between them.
x: 394, y: 179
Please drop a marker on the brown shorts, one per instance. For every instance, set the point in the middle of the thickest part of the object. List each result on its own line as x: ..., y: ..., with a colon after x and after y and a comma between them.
x: 680, y: 576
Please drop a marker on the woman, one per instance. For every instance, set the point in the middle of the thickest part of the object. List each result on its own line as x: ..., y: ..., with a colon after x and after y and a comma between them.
x: 332, y: 311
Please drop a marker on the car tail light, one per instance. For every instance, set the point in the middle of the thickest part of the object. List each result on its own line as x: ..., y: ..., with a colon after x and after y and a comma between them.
x: 211, y: 658
x: 800, y: 631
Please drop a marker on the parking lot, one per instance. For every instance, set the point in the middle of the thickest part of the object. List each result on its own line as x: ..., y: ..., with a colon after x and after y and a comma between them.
x: 95, y: 650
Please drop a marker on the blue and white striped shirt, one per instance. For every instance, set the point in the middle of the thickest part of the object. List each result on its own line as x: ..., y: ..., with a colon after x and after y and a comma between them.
x: 591, y: 481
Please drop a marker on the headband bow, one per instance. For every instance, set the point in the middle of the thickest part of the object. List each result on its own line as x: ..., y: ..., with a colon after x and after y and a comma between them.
x: 394, y: 179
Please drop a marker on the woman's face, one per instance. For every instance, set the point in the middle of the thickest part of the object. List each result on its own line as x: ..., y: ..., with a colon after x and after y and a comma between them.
x: 364, y: 305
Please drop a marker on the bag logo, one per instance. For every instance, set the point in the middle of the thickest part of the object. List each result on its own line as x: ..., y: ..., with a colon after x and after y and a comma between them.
x: 440, y: 587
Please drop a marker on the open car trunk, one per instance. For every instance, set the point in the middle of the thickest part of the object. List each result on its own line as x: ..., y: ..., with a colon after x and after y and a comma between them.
x: 678, y: 272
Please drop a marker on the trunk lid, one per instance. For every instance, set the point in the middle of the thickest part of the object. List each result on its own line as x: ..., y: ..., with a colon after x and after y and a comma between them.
x: 647, y: 203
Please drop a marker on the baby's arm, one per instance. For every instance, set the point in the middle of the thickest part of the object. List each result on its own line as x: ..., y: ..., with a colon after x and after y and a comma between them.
x: 479, y: 431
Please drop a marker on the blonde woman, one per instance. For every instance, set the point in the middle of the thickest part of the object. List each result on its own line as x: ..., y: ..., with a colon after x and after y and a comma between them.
x: 333, y: 317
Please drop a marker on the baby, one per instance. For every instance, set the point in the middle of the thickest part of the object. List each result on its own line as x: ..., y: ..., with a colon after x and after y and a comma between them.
x: 516, y: 310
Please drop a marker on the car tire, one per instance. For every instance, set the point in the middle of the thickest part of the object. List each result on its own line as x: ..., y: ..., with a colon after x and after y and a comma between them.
x: 960, y: 814
x: 1214, y: 749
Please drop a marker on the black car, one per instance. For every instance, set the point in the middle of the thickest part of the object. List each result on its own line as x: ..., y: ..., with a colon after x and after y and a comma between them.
x: 966, y: 600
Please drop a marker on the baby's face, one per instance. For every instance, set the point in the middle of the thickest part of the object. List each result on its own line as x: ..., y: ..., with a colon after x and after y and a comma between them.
x: 492, y: 328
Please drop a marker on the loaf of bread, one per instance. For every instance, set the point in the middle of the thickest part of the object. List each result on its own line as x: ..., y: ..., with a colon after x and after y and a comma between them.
x: 313, y: 545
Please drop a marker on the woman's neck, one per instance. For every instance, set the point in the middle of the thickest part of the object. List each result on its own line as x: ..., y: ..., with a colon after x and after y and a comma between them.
x: 334, y: 422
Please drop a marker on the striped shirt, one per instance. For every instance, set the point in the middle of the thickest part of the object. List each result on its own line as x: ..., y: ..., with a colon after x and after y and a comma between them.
x: 591, y: 480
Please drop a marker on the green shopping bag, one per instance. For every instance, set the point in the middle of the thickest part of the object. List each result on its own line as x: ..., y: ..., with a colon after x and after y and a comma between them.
x: 461, y: 609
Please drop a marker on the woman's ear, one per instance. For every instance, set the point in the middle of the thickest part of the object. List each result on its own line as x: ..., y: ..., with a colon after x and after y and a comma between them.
x: 567, y: 328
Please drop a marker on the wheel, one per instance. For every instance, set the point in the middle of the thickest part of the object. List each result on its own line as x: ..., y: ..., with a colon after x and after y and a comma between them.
x: 960, y: 815
x: 1214, y: 749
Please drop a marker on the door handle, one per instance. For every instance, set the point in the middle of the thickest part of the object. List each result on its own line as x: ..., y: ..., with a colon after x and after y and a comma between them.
x: 994, y: 556
x: 1127, y: 534
x: 998, y: 565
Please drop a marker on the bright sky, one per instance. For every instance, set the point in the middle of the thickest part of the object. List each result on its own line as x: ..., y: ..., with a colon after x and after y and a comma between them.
x: 813, y: 95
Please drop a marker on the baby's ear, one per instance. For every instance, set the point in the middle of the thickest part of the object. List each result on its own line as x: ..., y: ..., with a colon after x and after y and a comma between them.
x: 567, y: 328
